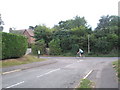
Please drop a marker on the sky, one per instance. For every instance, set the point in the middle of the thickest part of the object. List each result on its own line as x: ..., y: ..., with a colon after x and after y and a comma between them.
x: 21, y: 14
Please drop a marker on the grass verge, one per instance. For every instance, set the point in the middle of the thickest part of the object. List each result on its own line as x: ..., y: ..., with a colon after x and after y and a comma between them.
x: 116, y: 66
x: 23, y: 60
x: 85, y: 83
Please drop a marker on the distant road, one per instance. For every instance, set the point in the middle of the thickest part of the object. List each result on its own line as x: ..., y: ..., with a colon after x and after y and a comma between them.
x: 65, y: 73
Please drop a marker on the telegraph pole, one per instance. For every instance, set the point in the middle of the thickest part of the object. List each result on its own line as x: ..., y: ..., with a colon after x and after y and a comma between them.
x: 88, y: 45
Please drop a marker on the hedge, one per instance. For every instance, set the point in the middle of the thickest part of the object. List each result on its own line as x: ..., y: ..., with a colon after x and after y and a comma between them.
x: 13, y: 46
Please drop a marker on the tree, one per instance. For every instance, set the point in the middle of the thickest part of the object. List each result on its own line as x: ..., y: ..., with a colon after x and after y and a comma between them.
x: 72, y: 34
x: 39, y: 45
x: 1, y: 24
x: 42, y: 32
x: 72, y: 23
x: 54, y: 46
x: 103, y: 22
x: 106, y: 35
x: 31, y: 27
x: 108, y: 24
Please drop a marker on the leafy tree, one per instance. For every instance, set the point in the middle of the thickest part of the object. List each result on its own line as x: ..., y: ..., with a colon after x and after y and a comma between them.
x: 113, y: 40
x: 69, y: 35
x: 108, y: 24
x: 80, y: 31
x: 39, y: 45
x: 31, y: 27
x: 54, y: 46
x: 72, y: 23
x: 106, y: 34
x: 1, y: 23
x: 74, y: 49
x: 104, y: 22
x: 42, y: 32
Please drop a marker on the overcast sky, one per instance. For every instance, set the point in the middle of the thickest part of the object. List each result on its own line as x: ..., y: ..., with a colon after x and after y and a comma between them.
x: 24, y: 13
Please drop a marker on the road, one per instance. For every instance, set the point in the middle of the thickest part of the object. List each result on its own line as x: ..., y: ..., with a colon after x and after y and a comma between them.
x: 65, y: 73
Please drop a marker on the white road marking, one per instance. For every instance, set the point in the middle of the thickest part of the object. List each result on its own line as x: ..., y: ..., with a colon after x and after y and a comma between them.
x: 88, y: 74
x: 48, y: 72
x: 79, y: 60
x: 11, y: 71
x: 15, y: 84
x: 69, y: 65
x: 84, y: 77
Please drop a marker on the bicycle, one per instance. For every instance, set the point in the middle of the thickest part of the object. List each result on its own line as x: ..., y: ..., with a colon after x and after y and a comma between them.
x: 78, y: 57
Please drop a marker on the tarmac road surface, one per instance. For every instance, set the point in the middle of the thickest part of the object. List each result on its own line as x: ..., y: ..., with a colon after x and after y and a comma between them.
x: 66, y: 72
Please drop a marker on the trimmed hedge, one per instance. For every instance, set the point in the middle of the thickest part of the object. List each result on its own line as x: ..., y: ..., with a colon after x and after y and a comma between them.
x: 13, y: 46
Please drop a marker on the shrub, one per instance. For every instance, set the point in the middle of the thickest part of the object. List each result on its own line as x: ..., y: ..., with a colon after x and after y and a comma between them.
x: 39, y: 45
x: 54, y: 46
x: 75, y: 48
x: 13, y: 46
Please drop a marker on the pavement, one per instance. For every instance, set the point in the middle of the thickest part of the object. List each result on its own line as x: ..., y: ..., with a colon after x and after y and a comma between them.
x: 62, y: 72
x: 104, y: 77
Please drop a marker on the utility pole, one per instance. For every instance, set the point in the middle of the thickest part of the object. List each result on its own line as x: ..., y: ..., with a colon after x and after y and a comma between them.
x: 88, y: 45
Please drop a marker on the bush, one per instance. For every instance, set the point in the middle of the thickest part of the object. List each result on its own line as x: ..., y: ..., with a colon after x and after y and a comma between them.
x: 39, y: 45
x: 54, y: 46
x: 75, y: 48
x: 68, y: 54
x: 13, y: 46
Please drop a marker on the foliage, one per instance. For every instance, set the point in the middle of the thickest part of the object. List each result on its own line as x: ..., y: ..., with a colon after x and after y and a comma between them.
x: 54, y: 46
x: 39, y: 45
x: 75, y: 48
x: 73, y: 34
x: 31, y: 27
x: 13, y: 46
x: 73, y: 37
x: 42, y: 32
x: 72, y: 23
x: 1, y: 23
x: 116, y: 65
x: 85, y: 83
x: 106, y: 35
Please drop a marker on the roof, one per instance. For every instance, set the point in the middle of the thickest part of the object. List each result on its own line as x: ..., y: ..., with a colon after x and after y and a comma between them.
x: 31, y: 33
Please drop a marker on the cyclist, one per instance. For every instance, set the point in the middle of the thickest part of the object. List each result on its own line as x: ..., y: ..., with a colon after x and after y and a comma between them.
x: 80, y: 52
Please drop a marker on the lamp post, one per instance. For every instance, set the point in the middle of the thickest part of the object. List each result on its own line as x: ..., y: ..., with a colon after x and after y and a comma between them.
x: 88, y: 44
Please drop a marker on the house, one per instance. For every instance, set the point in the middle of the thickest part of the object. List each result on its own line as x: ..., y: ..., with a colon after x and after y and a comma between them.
x: 29, y: 34
x: 26, y: 32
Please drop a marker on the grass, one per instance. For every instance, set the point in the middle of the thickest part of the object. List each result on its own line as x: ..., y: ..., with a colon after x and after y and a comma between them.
x: 18, y: 61
x: 116, y: 66
x: 85, y: 83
